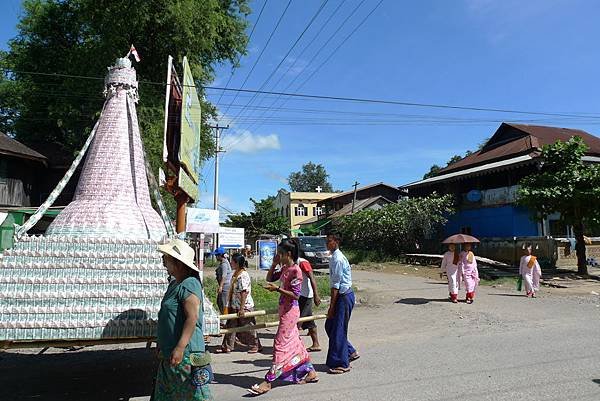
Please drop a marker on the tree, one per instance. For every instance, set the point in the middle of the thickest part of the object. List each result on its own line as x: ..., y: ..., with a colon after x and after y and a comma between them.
x: 567, y: 185
x: 265, y: 219
x: 396, y: 227
x: 433, y: 171
x: 83, y: 37
x: 311, y: 177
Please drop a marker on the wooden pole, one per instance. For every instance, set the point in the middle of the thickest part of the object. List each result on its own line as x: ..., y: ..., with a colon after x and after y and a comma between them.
x: 247, y: 314
x: 182, y: 199
x: 251, y: 327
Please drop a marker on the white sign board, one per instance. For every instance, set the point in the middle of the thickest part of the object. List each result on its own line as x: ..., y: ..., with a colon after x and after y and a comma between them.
x: 231, y: 237
x: 202, y: 221
x: 499, y: 196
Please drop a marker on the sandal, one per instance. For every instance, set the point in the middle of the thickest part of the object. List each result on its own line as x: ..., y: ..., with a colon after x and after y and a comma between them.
x: 354, y: 357
x: 313, y: 349
x: 257, y: 390
x: 338, y: 371
x: 254, y: 350
x: 314, y: 379
x: 222, y: 350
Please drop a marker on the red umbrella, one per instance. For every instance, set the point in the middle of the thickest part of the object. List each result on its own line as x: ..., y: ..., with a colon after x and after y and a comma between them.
x: 460, y: 239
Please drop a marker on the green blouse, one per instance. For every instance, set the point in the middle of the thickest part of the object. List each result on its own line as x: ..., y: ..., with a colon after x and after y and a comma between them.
x: 171, y: 317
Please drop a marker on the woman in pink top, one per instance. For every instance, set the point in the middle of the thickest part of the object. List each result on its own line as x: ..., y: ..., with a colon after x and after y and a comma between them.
x: 450, y: 267
x: 467, y: 269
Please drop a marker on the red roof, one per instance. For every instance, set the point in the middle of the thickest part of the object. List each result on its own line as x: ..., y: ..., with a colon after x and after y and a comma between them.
x: 512, y: 140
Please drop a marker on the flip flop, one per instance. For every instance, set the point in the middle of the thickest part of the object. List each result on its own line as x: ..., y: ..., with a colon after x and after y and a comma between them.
x: 354, y: 358
x: 308, y: 381
x: 313, y: 349
x: 222, y: 351
x: 338, y: 371
x: 256, y: 390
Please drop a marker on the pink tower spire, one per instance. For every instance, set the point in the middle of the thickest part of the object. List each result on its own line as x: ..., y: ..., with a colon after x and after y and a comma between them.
x: 112, y: 197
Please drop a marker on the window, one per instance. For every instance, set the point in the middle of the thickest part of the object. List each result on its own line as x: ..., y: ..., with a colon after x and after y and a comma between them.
x: 3, y: 172
x: 317, y: 211
x: 287, y: 211
x: 300, y: 210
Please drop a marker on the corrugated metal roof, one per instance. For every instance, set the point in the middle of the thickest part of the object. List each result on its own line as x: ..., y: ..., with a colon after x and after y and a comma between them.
x: 12, y: 147
x: 473, y: 170
x: 512, y: 140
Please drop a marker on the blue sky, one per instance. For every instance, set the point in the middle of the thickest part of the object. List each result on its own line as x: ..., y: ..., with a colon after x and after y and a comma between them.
x: 538, y: 55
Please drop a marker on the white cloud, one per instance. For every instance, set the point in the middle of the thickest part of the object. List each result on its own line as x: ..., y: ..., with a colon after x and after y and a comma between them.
x: 247, y: 142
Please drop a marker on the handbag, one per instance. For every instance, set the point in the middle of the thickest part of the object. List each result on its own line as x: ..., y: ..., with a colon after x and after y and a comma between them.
x: 520, y: 283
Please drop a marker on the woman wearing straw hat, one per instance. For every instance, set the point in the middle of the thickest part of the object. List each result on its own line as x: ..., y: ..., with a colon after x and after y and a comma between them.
x: 184, y: 371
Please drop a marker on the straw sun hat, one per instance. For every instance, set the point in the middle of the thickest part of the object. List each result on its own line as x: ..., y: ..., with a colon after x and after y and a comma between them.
x: 179, y: 250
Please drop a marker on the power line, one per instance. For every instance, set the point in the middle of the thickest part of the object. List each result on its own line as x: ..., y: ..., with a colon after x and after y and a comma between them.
x: 249, y: 39
x: 337, y: 48
x: 310, y: 42
x: 351, y: 99
x: 264, y: 48
x: 327, y: 41
x: 314, y: 17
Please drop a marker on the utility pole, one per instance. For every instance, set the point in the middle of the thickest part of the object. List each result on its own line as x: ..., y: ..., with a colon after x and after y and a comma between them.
x: 218, y: 150
x: 356, y: 184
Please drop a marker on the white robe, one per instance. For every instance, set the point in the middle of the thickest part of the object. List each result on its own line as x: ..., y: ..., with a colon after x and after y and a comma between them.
x: 531, y: 276
x: 451, y: 271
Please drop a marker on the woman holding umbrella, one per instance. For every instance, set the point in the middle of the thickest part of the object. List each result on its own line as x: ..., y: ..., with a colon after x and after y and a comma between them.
x: 467, y: 265
x: 450, y: 267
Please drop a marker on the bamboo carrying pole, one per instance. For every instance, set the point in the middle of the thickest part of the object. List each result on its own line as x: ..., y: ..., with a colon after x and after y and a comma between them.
x: 247, y: 314
x: 251, y: 327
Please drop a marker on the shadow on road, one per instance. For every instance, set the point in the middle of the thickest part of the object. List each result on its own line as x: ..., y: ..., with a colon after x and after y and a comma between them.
x: 74, y: 376
x: 419, y: 301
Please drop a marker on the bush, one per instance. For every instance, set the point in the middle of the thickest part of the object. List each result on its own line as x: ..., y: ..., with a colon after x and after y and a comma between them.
x: 396, y: 228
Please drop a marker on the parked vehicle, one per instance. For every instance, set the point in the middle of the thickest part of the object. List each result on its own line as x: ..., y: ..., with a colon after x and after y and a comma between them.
x: 314, y: 249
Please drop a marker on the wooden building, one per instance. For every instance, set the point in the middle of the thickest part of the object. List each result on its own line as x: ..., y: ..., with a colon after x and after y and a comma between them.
x: 21, y: 173
x: 485, y: 183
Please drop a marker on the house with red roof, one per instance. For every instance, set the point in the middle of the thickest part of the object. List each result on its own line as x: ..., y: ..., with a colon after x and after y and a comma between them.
x: 485, y: 183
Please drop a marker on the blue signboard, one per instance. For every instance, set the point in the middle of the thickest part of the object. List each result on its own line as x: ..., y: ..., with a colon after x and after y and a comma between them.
x: 266, y: 252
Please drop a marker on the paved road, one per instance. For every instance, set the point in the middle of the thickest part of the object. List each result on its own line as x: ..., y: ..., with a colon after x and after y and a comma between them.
x: 414, y: 345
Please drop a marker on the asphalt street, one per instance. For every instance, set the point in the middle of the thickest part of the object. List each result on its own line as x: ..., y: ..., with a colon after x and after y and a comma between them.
x: 414, y: 345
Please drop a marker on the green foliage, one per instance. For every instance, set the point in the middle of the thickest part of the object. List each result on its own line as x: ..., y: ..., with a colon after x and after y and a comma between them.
x: 395, y: 228
x: 433, y: 171
x: 265, y: 219
x: 263, y: 299
x: 568, y: 186
x: 83, y: 37
x: 311, y: 176
x: 565, y: 184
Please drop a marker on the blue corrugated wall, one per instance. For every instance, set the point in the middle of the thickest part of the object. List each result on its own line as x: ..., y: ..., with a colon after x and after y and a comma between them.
x: 503, y: 221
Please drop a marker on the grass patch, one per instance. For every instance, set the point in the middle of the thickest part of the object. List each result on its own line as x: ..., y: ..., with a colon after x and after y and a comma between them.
x: 358, y: 256
x: 264, y: 299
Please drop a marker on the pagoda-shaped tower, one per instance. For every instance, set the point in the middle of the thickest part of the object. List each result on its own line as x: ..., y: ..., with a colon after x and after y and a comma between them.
x: 96, y: 274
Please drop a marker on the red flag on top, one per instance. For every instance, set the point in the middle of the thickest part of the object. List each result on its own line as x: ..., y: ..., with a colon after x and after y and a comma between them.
x: 135, y: 54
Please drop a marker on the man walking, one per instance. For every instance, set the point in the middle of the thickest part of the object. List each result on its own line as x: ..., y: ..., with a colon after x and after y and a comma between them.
x: 223, y: 273
x: 340, y: 352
